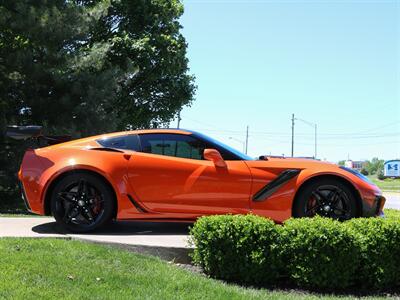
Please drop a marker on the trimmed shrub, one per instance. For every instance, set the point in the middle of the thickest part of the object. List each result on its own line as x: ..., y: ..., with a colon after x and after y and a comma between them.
x: 320, y: 252
x: 380, y: 251
x: 380, y: 175
x: 310, y: 252
x: 237, y: 248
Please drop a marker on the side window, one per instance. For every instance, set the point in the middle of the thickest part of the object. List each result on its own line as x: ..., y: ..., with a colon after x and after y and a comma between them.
x: 126, y: 142
x: 172, y: 145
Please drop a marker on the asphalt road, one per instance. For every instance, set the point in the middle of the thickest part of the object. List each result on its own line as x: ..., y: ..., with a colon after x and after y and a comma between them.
x: 392, y: 200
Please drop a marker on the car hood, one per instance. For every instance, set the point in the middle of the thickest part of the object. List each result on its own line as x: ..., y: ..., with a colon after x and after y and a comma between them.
x: 293, y: 163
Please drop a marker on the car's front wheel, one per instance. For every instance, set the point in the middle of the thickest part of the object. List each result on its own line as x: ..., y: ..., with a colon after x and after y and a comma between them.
x: 328, y: 198
x: 82, y: 202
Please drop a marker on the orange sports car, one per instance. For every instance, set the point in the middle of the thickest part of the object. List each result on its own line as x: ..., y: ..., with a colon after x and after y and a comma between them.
x: 180, y: 175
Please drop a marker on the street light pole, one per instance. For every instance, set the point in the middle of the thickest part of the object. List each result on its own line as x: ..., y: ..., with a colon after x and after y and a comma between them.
x: 247, y: 138
x: 315, y: 140
x: 315, y: 133
x: 292, y: 134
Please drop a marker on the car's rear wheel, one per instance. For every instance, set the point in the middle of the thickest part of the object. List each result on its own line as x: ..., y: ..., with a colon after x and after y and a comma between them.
x: 82, y: 202
x: 328, y: 198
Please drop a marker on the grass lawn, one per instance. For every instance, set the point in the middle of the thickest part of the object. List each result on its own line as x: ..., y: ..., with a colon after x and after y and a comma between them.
x: 392, y: 213
x: 388, y: 184
x: 51, y: 269
x: 20, y: 215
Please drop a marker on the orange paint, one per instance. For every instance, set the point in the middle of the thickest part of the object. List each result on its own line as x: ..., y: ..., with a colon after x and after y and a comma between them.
x: 174, y: 188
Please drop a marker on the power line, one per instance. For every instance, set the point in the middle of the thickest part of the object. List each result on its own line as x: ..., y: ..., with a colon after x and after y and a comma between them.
x: 247, y: 138
x: 360, y: 135
x: 314, y: 125
x: 383, y: 126
x: 200, y: 122
x: 304, y: 135
x: 292, y: 135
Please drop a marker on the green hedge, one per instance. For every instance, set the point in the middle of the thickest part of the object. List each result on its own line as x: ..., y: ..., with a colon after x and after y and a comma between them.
x: 380, y: 251
x: 237, y: 248
x: 320, y: 253
x: 317, y: 252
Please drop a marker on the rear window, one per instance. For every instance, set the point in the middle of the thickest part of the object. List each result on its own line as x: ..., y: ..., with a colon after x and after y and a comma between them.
x: 125, y: 142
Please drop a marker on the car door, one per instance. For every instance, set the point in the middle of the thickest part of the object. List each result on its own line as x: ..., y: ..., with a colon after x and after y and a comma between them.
x: 171, y: 176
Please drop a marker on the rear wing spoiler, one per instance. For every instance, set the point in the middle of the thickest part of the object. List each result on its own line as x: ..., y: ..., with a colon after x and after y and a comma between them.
x: 23, y: 132
x: 34, y: 132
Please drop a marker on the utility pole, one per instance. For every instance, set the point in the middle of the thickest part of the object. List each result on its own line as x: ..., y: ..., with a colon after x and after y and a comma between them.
x: 179, y: 119
x: 315, y: 139
x: 292, y: 134
x: 247, y: 138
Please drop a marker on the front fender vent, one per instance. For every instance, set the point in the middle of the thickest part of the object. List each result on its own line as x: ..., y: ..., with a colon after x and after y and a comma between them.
x: 275, y: 184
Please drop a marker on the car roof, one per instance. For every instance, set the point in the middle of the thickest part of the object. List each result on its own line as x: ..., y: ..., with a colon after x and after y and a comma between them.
x: 145, y: 131
x: 121, y: 133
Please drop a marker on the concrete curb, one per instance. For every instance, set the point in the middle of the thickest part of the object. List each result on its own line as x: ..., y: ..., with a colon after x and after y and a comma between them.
x: 173, y: 254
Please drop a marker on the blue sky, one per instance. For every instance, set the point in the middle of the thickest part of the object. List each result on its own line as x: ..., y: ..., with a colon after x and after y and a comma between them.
x: 334, y: 63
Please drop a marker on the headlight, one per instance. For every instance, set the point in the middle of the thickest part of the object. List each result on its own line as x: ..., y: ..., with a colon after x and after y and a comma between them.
x: 358, y: 174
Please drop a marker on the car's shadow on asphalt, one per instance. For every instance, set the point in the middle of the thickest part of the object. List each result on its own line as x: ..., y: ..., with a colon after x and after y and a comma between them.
x: 123, y: 228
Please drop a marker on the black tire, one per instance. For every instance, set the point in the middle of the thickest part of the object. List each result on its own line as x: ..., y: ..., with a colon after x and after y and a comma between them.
x: 82, y: 202
x: 327, y: 197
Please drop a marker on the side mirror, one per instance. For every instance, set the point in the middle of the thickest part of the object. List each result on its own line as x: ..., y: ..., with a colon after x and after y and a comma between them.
x: 215, y: 157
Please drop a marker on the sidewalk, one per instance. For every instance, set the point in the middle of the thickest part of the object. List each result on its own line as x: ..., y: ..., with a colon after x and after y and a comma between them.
x: 166, y: 240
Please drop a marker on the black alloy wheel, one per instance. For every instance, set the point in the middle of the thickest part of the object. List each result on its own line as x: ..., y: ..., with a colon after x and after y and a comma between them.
x: 82, y: 202
x: 328, y: 198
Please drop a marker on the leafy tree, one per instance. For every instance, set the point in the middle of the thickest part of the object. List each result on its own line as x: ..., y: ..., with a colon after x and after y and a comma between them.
x: 341, y: 162
x: 380, y: 175
x: 364, y: 171
x: 374, y: 166
x: 82, y: 67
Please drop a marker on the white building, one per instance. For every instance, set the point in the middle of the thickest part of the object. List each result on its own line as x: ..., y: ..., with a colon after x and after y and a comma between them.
x: 355, y: 165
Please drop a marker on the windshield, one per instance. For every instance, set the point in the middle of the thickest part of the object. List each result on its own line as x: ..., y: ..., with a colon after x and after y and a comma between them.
x: 237, y: 153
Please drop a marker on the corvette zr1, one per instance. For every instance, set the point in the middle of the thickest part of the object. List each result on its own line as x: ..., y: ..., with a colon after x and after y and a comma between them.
x: 180, y: 175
